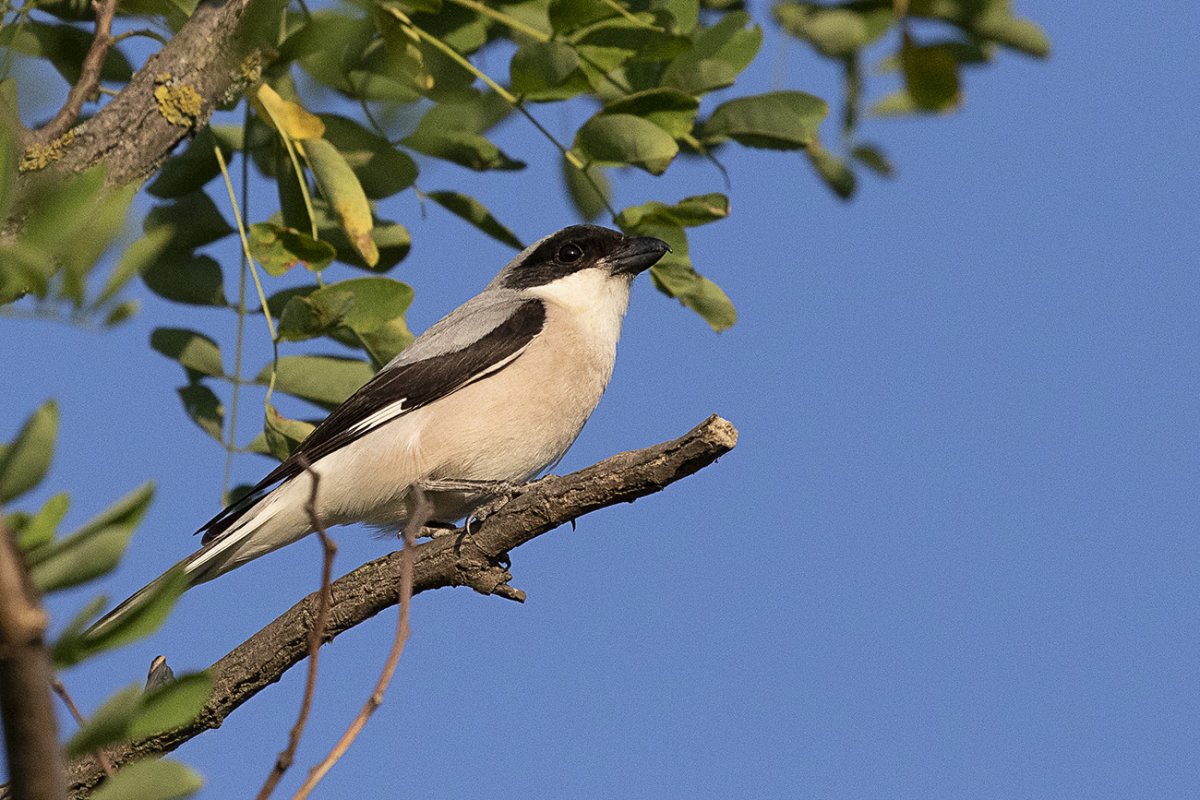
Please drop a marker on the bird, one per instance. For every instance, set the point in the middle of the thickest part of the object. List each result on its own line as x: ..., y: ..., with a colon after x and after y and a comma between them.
x: 493, y: 394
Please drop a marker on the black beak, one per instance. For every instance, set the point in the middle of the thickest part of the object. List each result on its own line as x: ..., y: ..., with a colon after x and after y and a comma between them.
x: 637, y: 253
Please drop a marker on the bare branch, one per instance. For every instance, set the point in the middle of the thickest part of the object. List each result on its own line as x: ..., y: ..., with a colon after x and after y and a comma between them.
x: 60, y: 689
x: 472, y: 560
x: 35, y: 764
x: 421, y: 513
x: 209, y: 62
x: 315, y: 635
x: 89, y: 74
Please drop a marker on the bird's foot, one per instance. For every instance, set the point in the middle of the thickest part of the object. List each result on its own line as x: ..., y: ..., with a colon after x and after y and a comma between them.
x: 436, y: 529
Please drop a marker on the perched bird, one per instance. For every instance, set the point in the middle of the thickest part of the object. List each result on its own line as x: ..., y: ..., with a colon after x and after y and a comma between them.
x: 493, y: 393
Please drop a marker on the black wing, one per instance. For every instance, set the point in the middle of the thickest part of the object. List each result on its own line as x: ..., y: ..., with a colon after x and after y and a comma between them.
x: 391, y: 394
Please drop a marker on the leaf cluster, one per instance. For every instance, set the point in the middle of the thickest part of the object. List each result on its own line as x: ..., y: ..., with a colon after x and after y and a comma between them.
x: 646, y: 83
x: 60, y: 561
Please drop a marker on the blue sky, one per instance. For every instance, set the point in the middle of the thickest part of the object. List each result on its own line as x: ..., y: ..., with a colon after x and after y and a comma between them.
x: 954, y: 554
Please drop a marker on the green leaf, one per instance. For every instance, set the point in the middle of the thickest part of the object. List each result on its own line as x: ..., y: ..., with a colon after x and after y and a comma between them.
x: 703, y: 76
x: 121, y: 312
x: 367, y: 313
x: 391, y: 238
x: 26, y: 459
x: 931, y: 76
x: 284, y: 435
x: 59, y: 212
x: 132, y: 714
x: 543, y: 71
x: 103, y: 222
x: 684, y: 13
x: 833, y: 170
x: 719, y: 54
x: 895, y: 104
x: 191, y: 169
x: 140, y: 619
x: 1019, y: 34
x: 8, y: 146
x: 40, y: 528
x: 874, y: 159
x: 670, y: 109
x: 474, y: 212
x: 610, y: 43
x: 674, y: 274
x: 696, y: 292
x: 376, y: 301
x: 470, y: 150
x: 94, y: 549
x: 184, y: 278
x: 76, y: 626
x: 776, y: 120
x: 566, y: 15
x: 588, y: 197
x: 961, y: 52
x: 476, y: 112
x: 688, y: 212
x: 278, y: 249
x: 194, y: 351
x: 189, y: 222
x: 341, y: 189
x: 109, y: 724
x: 203, y: 408
x: 171, y: 705
x: 305, y: 317
x: 382, y: 170
x: 621, y: 139
x: 381, y: 344
x: 151, y: 780
x: 65, y: 47
x: 324, y: 380
x: 834, y: 32
x: 452, y: 131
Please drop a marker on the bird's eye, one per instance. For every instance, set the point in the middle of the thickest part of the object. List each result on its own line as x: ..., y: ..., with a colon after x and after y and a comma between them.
x: 570, y: 253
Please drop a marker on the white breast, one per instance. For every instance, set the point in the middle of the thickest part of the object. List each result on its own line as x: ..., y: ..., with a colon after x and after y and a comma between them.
x: 509, y: 426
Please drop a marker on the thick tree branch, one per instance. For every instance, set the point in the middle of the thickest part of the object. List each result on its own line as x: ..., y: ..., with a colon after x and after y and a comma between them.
x: 89, y: 76
x: 212, y: 59
x: 35, y: 764
x: 454, y: 560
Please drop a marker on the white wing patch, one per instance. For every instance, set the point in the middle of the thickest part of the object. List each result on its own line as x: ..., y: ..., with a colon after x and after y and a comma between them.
x: 385, y: 414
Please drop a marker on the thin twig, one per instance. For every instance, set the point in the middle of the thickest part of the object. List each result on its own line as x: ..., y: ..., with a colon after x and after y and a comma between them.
x: 60, y: 689
x: 240, y: 336
x: 422, y: 512
x: 324, y: 599
x: 89, y: 72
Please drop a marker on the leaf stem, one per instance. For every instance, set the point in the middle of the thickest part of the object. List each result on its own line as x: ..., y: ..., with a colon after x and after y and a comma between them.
x: 629, y: 15
x: 237, y: 215
x: 262, y: 296
x: 239, y: 347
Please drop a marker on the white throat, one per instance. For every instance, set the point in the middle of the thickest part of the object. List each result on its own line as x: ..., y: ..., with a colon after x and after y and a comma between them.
x: 595, y: 299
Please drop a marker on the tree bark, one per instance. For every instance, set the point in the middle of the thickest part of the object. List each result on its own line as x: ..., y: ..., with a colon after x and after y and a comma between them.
x: 35, y: 763
x: 213, y: 58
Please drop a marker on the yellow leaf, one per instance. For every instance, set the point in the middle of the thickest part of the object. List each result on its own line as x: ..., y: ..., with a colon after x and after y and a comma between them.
x: 345, y: 194
x: 287, y: 117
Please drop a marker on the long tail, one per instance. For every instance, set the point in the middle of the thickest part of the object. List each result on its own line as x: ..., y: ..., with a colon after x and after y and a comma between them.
x: 260, y: 531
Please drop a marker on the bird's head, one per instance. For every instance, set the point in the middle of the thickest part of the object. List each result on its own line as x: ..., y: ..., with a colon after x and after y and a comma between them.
x: 580, y: 248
